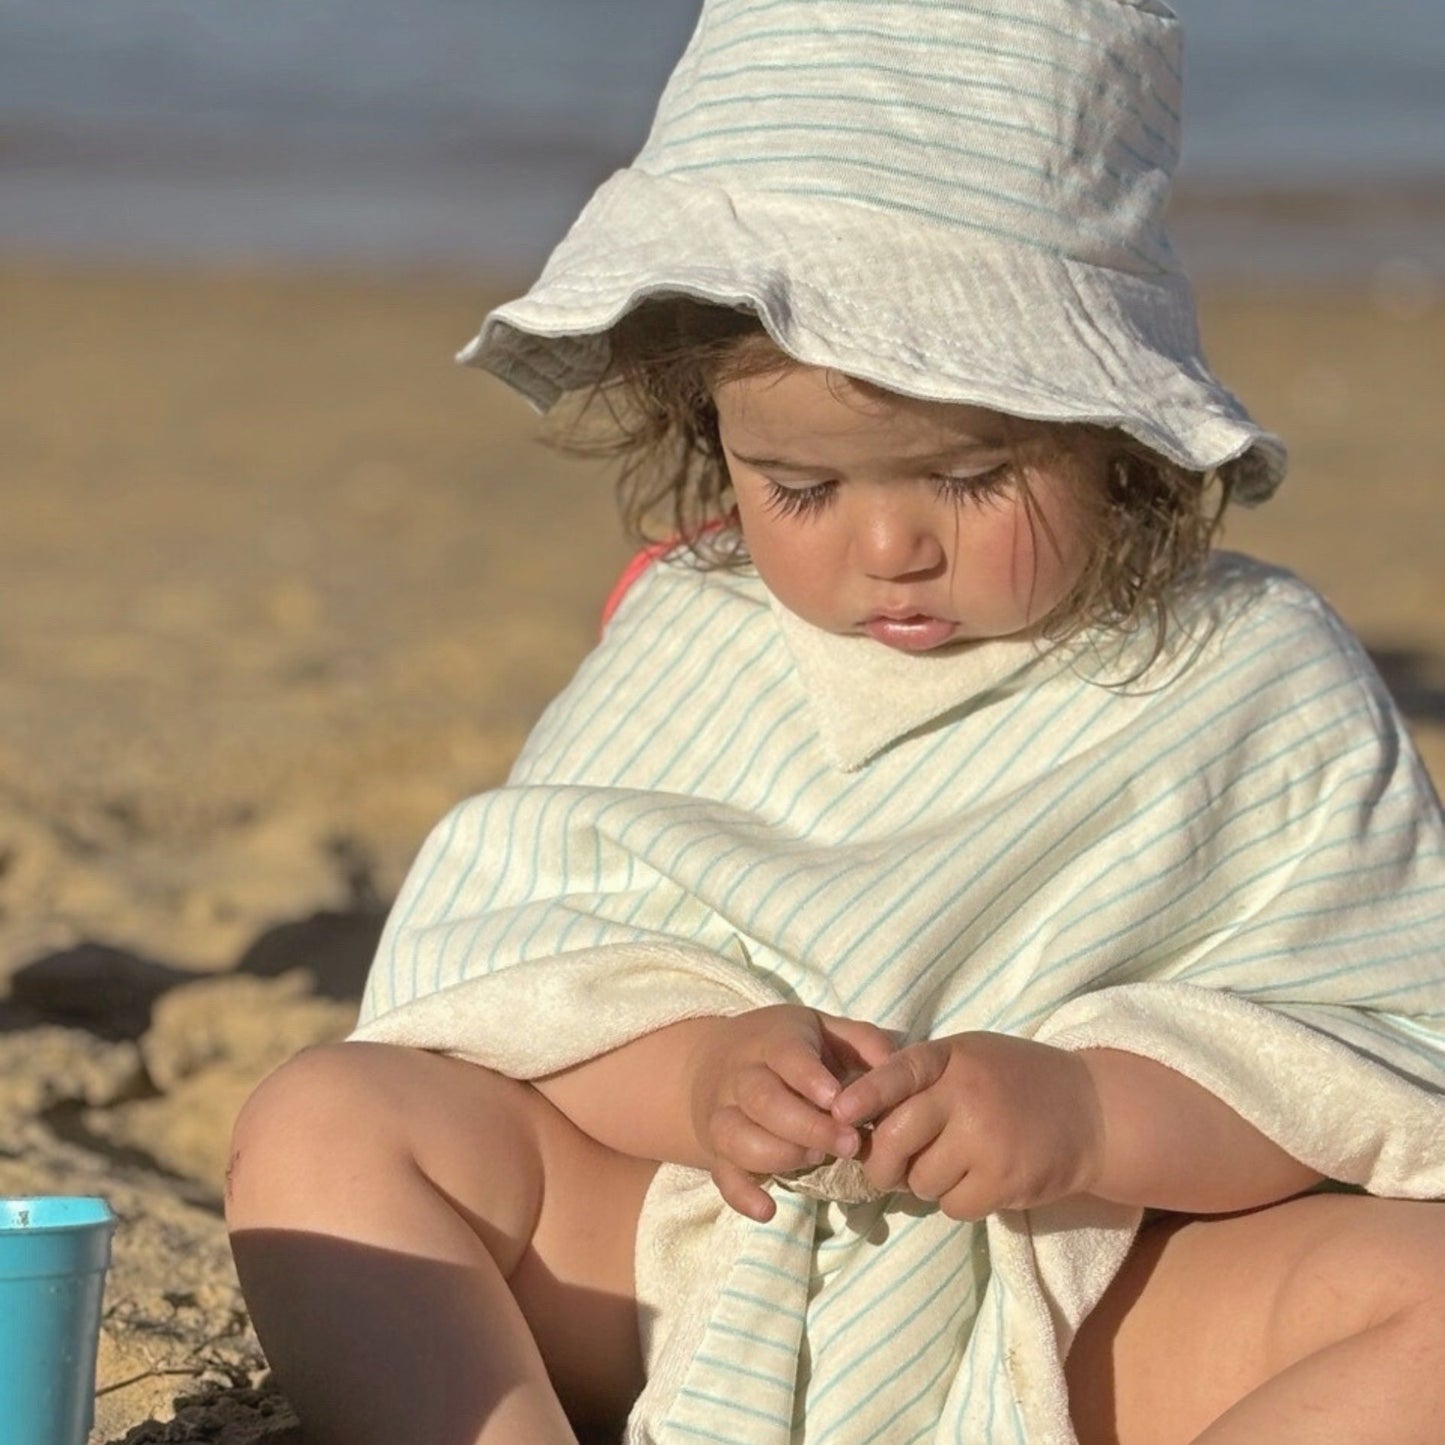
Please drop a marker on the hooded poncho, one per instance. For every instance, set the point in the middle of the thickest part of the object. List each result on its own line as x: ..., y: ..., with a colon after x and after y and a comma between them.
x: 1231, y: 864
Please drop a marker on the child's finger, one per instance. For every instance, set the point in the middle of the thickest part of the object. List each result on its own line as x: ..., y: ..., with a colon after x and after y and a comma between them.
x: 907, y: 1073
x: 742, y: 1192
x: 756, y: 1147
x: 903, y: 1150
x: 799, y: 1064
x: 765, y: 1099
x: 856, y: 1043
x: 745, y: 1154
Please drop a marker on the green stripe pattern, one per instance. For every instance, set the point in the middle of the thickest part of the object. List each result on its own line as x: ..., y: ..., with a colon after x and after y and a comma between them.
x: 1036, y: 125
x: 1256, y: 833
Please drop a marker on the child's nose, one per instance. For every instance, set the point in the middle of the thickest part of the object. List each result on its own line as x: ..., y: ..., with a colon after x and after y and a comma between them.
x: 895, y: 541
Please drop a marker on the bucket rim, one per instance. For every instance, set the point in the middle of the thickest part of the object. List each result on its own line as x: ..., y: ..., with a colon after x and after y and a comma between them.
x: 32, y: 1213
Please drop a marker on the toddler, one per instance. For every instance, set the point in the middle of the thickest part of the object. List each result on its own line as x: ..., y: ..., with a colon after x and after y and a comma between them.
x: 961, y: 961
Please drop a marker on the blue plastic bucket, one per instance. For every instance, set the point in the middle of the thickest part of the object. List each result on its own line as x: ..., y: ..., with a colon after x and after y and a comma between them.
x: 54, y: 1251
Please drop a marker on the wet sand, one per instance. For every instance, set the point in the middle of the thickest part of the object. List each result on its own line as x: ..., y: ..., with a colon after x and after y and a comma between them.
x: 282, y: 583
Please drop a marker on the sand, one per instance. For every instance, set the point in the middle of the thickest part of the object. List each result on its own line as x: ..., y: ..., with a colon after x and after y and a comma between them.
x: 281, y: 583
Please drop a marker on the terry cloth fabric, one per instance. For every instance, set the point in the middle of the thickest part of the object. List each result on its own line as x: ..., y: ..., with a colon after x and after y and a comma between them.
x: 957, y: 201
x: 1234, y: 866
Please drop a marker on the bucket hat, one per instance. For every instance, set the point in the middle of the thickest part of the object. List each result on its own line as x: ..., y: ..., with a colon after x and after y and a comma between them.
x: 958, y: 200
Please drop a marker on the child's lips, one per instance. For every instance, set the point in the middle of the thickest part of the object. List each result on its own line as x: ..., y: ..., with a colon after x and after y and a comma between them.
x: 916, y: 633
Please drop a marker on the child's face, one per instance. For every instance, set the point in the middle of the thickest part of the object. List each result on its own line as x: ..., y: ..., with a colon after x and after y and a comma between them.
x: 899, y: 519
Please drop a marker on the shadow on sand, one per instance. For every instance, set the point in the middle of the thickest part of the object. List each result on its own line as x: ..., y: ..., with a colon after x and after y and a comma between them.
x: 111, y: 992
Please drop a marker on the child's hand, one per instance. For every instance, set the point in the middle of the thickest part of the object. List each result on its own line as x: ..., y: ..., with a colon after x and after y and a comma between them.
x: 979, y: 1122
x: 762, y: 1092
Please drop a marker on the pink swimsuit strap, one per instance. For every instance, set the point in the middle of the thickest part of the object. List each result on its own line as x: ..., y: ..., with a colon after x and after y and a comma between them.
x: 644, y: 559
x: 639, y: 564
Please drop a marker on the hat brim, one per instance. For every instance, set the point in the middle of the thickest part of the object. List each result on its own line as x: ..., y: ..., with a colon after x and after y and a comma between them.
x: 892, y: 299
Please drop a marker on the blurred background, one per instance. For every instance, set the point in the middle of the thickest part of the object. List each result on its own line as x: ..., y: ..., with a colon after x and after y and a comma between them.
x: 468, y: 132
x: 281, y: 583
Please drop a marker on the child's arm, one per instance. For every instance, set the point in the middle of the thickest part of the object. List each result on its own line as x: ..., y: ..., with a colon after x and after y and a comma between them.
x: 1171, y: 1144
x: 985, y: 1121
x: 745, y: 1096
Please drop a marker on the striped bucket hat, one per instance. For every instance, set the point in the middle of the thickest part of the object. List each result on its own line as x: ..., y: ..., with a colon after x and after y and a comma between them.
x: 959, y: 200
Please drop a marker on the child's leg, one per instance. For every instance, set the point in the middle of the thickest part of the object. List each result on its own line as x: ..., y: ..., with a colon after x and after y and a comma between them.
x: 1318, y: 1320
x: 432, y: 1252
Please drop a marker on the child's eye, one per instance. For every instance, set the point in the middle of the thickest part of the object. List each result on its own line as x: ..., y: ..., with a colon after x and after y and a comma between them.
x: 796, y: 501
x: 973, y: 486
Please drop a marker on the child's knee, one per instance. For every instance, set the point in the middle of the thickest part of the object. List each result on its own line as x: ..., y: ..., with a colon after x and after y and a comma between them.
x: 1406, y: 1244
x: 1400, y: 1273
x: 1363, y: 1262
x: 325, y: 1101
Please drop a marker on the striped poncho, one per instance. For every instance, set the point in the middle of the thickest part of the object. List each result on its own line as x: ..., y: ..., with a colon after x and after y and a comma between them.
x: 1232, y: 864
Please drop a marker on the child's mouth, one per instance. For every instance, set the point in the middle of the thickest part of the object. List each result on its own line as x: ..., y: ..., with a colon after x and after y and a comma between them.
x: 911, y: 634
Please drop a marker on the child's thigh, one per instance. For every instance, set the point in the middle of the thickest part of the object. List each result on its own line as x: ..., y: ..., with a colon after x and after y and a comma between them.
x: 1206, y: 1310
x: 372, y: 1141
x: 575, y: 1282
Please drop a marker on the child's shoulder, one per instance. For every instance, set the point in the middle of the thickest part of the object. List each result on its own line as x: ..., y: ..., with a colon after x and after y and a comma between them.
x: 1236, y: 593
x: 1261, y: 629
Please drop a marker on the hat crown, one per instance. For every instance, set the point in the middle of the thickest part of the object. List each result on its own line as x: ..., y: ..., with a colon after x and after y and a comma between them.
x: 954, y: 199
x: 1048, y: 123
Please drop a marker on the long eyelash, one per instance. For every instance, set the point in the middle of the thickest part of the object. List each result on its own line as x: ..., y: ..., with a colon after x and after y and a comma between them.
x: 981, y: 488
x: 797, y: 501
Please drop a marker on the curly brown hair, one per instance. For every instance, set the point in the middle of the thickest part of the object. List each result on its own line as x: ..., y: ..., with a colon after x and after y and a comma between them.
x: 1152, y: 521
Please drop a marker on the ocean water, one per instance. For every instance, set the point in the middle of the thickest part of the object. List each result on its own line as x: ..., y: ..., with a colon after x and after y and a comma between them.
x: 468, y: 132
